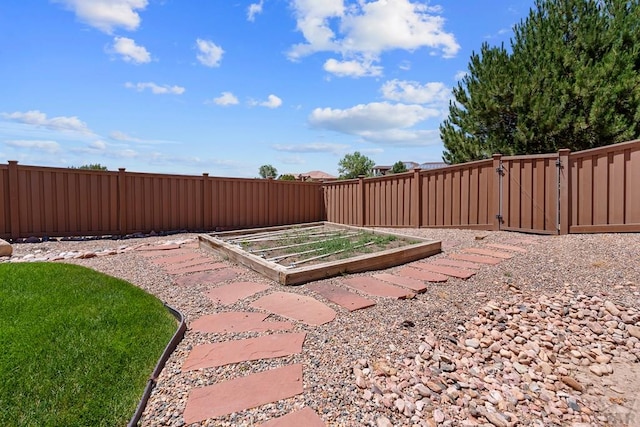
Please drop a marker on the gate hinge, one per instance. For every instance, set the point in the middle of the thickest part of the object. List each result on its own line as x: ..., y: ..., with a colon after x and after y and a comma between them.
x: 499, y: 217
x: 559, y: 163
x: 500, y: 170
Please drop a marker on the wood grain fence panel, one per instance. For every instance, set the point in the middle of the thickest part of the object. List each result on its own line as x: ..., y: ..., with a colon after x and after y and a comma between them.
x: 406, y: 201
x: 539, y: 184
x: 485, y: 194
x: 463, y: 207
x: 632, y: 190
x: 605, y: 198
x: 601, y: 190
x: 473, y: 197
x: 526, y: 191
x: 5, y: 212
x: 616, y: 173
x: 551, y: 194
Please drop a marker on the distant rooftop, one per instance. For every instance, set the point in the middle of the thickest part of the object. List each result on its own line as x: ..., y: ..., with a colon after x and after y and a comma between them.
x: 316, y: 176
x: 383, y: 170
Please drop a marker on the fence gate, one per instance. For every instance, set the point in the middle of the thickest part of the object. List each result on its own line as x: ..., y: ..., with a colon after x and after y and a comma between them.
x: 529, y: 193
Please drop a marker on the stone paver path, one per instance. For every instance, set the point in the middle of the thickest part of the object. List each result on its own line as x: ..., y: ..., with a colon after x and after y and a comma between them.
x: 234, y: 292
x: 372, y: 286
x: 297, y: 307
x: 192, y: 268
x: 476, y: 258
x: 243, y: 393
x: 419, y: 274
x: 406, y: 282
x: 456, y: 263
x: 344, y: 298
x: 488, y: 252
x: 305, y: 417
x: 442, y: 269
x: 227, y: 352
x: 238, y: 321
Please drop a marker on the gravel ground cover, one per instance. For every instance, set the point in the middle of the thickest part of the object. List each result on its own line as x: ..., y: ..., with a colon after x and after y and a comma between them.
x: 549, y: 337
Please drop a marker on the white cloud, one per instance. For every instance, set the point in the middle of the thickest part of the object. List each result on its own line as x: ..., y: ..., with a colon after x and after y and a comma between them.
x: 405, y: 65
x: 415, y: 93
x: 352, y: 68
x: 210, y: 54
x: 253, y: 10
x: 130, y: 51
x: 375, y: 116
x: 364, y: 30
x: 40, y: 119
x: 50, y: 147
x: 405, y: 137
x: 121, y: 136
x: 226, y: 98
x: 156, y: 89
x: 316, y: 147
x: 98, y: 145
x: 272, y: 102
x: 379, y: 122
x: 106, y: 15
x: 460, y: 75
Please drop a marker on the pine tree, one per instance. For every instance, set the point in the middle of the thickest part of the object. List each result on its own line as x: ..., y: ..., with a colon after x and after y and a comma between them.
x: 572, y: 80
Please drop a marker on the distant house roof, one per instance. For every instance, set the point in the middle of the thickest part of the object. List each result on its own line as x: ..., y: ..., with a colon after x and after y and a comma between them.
x: 316, y: 176
x: 382, y: 170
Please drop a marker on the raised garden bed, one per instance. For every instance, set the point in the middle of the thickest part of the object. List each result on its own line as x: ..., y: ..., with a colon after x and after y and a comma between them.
x: 301, y: 253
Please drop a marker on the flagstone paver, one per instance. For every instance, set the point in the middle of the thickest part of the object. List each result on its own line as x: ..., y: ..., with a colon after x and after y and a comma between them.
x: 209, y: 277
x: 238, y: 321
x: 344, y: 298
x: 158, y: 247
x: 175, y: 259
x: 488, y: 252
x: 187, y: 267
x: 227, y: 352
x: 234, y: 292
x: 507, y: 247
x: 243, y: 393
x: 161, y: 254
x: 406, y: 282
x: 302, y: 308
x: 443, y: 269
x: 416, y: 273
x: 305, y: 417
x: 456, y: 263
x: 221, y: 274
x: 476, y: 258
x: 372, y: 286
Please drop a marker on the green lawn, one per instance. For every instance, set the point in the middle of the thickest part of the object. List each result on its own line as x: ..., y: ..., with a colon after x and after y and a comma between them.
x: 76, y: 346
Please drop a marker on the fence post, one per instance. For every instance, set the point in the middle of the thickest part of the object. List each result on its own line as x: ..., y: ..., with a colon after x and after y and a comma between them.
x: 497, y: 191
x: 206, y: 202
x: 416, y: 199
x: 564, y: 190
x: 122, y: 201
x: 14, y: 201
x: 361, y: 217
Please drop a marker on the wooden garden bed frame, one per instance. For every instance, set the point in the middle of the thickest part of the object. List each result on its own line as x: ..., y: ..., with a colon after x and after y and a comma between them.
x: 303, y: 274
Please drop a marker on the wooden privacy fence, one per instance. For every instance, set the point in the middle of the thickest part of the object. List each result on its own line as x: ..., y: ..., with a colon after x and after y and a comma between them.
x: 588, y: 191
x: 58, y: 202
x: 584, y: 192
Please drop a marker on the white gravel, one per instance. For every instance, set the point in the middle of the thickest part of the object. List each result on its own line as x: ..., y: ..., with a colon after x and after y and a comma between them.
x: 344, y: 359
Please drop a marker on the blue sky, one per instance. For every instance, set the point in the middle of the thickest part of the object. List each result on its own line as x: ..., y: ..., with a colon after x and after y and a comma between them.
x: 223, y: 87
